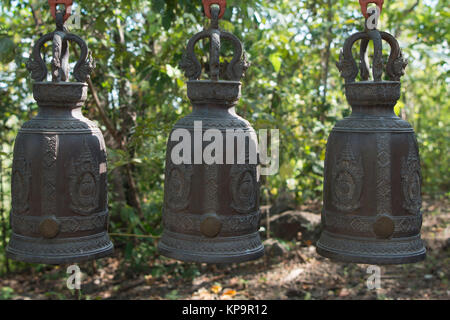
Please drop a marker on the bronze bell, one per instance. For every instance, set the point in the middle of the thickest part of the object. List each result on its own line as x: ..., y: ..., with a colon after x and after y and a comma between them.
x: 211, y: 211
x: 372, y: 189
x: 59, y: 193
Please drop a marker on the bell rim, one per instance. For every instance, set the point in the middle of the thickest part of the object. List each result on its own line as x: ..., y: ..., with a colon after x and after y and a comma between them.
x: 342, y: 255
x: 220, y: 258
x: 374, y: 259
x: 231, y: 249
x: 60, y: 258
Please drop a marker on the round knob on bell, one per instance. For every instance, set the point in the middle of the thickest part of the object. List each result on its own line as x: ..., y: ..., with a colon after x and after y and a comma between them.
x: 384, y: 227
x: 210, y: 226
x: 49, y: 228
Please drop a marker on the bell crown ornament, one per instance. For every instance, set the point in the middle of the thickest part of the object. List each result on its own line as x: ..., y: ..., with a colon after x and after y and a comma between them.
x: 211, y: 209
x: 372, y: 178
x: 199, y: 91
x: 49, y: 93
x: 59, y: 189
x: 377, y: 91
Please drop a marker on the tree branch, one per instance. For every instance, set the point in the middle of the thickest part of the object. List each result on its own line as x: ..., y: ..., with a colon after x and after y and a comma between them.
x: 36, y: 16
x: 108, y: 123
x: 412, y: 7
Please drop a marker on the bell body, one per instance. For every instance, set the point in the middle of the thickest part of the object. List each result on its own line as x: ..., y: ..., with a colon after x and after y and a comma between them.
x: 211, y: 211
x: 59, y: 192
x: 372, y: 189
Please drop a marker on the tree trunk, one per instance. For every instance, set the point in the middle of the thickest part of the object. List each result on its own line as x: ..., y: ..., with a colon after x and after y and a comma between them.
x: 2, y: 215
x: 326, y: 57
x: 128, y: 123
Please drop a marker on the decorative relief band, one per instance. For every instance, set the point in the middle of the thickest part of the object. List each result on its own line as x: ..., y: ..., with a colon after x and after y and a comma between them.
x: 372, y: 125
x: 364, y: 224
x: 378, y: 93
x: 28, y: 225
x: 84, y: 182
x: 211, y: 200
x: 230, y: 224
x: 71, y: 247
x: 383, y: 174
x: 59, y: 125
x: 178, y: 185
x: 49, y: 174
x: 21, y: 179
x: 216, y: 123
x: 244, y: 187
x: 411, y: 178
x: 347, y: 177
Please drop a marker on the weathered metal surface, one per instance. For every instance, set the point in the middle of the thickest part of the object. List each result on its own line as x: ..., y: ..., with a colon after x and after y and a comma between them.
x: 59, y: 193
x: 372, y: 197
x: 211, y: 211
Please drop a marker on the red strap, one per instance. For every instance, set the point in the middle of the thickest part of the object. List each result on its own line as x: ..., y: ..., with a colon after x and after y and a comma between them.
x: 207, y: 6
x: 364, y: 3
x: 68, y: 7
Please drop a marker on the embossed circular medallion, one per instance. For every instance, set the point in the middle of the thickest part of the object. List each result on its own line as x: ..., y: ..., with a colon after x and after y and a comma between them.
x: 18, y: 186
x: 345, y: 186
x: 49, y: 228
x: 176, y: 183
x: 414, y: 186
x: 384, y: 227
x: 210, y: 226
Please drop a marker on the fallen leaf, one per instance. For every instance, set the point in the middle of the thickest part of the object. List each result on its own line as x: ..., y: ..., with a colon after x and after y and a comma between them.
x: 344, y: 292
x: 229, y: 292
x: 149, y: 279
x: 216, y: 288
x: 292, y: 275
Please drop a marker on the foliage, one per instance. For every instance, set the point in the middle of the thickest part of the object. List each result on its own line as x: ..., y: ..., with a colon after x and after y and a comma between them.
x: 6, y: 293
x: 292, y: 85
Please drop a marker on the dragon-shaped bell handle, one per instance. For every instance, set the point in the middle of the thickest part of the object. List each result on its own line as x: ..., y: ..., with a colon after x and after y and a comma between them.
x: 379, y: 91
x: 395, y: 67
x: 60, y: 60
x: 235, y: 70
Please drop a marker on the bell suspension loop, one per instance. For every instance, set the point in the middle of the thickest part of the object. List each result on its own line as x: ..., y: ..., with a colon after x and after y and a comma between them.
x: 214, y: 56
x: 67, y: 8
x: 60, y: 60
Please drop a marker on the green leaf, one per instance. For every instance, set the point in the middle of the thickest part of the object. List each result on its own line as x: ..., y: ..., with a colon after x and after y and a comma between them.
x: 167, y: 19
x: 275, y: 59
x: 7, y: 48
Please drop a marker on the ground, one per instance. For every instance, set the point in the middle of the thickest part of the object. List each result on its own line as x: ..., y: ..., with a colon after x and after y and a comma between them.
x: 299, y: 274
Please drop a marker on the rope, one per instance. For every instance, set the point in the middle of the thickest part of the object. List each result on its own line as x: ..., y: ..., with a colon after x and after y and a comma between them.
x: 134, y: 235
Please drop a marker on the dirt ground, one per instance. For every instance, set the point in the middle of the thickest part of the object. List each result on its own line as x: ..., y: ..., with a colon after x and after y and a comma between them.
x: 300, y: 274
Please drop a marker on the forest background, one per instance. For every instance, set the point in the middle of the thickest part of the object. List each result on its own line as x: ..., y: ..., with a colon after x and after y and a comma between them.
x: 137, y: 92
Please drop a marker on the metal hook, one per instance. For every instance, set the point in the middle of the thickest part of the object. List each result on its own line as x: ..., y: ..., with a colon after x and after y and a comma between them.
x: 364, y: 3
x: 67, y: 7
x: 207, y: 7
